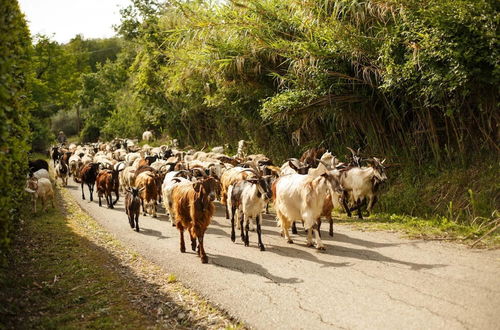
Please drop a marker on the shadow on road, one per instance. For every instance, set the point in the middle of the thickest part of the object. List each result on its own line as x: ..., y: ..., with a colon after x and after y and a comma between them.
x: 299, y: 253
x: 151, y: 232
x: 248, y: 267
x: 364, y: 254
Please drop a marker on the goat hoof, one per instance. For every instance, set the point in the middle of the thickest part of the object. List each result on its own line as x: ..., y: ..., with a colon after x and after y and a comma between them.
x: 294, y: 231
x: 290, y: 241
x: 204, y: 259
x: 309, y: 244
x: 321, y: 248
x: 155, y: 216
x: 233, y: 238
x: 183, y: 249
x: 330, y: 233
x: 262, y: 248
x: 137, y: 229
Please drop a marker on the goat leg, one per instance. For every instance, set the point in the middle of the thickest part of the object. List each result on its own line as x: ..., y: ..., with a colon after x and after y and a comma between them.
x: 91, y: 189
x: 360, y: 215
x: 99, y: 196
x: 346, y: 206
x: 117, y: 197
x: 319, y: 243
x: 233, y: 234
x: 247, y: 225
x: 330, y: 220
x: 193, y: 242
x: 294, y: 228
x: 204, y: 258
x: 259, y: 233
x: 240, y: 218
x: 181, y: 232
x: 319, y: 226
x: 83, y: 195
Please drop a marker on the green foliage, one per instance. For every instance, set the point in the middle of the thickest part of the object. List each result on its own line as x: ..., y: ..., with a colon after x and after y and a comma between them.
x: 14, y: 114
x: 66, y: 121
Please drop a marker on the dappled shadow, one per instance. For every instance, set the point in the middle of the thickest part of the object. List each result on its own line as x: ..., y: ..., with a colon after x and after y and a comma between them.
x: 247, y: 267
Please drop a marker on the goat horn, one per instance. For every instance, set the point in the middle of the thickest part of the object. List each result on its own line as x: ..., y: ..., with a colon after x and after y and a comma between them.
x: 352, y: 151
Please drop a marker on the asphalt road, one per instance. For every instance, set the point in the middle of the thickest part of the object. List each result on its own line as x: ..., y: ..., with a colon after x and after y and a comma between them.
x: 364, y: 280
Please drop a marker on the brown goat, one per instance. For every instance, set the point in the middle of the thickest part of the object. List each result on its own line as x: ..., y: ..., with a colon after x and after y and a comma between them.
x: 107, y: 182
x: 147, y: 180
x: 88, y: 175
x: 193, y: 208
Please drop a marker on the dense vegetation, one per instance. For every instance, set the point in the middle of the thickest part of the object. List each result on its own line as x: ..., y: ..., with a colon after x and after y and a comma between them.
x: 14, y: 105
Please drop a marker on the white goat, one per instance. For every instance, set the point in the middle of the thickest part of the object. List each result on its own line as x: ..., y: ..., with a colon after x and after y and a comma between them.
x: 40, y: 188
x: 301, y: 197
x: 147, y: 136
x: 247, y: 199
x: 361, y: 183
x: 169, y: 182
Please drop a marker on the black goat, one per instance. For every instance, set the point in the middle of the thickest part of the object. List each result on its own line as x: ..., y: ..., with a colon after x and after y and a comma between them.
x: 133, y: 206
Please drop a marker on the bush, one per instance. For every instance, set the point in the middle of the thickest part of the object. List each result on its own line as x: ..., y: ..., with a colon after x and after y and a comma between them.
x: 14, y: 131
x: 90, y: 133
x: 66, y: 121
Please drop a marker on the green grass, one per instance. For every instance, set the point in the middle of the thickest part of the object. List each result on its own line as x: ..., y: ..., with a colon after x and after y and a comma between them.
x: 435, y: 228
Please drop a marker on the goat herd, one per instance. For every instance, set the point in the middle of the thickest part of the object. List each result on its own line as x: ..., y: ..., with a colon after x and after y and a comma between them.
x: 188, y: 182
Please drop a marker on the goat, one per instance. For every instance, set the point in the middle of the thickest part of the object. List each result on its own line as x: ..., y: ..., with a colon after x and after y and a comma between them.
x: 147, y: 180
x: 41, y: 173
x: 228, y: 178
x: 62, y: 171
x: 75, y: 163
x: 147, y: 136
x: 248, y: 198
x: 193, y: 208
x: 40, y: 188
x: 361, y: 183
x: 38, y: 164
x: 88, y: 176
x: 133, y: 206
x: 55, y: 155
x: 107, y: 182
x: 302, y: 197
x: 169, y: 182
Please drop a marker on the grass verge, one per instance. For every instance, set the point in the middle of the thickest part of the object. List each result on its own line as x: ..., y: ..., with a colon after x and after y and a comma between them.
x: 65, y: 270
x: 437, y: 228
